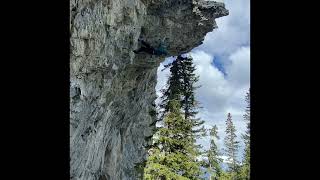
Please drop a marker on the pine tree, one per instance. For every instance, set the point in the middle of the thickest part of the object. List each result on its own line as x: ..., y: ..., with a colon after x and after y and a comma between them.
x: 213, y: 155
x: 245, y: 168
x: 231, y: 145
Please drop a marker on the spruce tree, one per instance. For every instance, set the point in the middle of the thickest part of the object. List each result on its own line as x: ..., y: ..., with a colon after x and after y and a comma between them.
x: 181, y: 86
x: 174, y: 156
x: 188, y: 102
x: 174, y: 87
x: 245, y: 168
x: 231, y: 145
x: 213, y: 155
x: 176, y: 139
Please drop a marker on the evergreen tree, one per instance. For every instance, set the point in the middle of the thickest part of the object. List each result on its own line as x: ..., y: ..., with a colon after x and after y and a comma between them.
x: 213, y: 155
x: 174, y: 87
x: 227, y: 176
x: 176, y: 139
x: 245, y: 168
x: 181, y: 87
x: 188, y: 102
x: 231, y: 145
x: 174, y: 156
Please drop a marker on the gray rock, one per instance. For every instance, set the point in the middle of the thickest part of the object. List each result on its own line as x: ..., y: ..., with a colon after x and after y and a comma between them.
x: 112, y: 89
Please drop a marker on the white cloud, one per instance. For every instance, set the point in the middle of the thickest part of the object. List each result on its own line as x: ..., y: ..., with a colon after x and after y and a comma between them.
x: 233, y: 30
x: 162, y: 76
x: 239, y: 69
x: 214, y: 88
x: 220, y: 94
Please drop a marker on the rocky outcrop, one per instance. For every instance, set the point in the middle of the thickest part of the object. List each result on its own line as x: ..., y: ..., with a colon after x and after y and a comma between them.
x: 112, y: 90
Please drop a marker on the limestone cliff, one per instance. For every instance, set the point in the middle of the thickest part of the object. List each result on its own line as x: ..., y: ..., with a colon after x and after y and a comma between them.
x: 112, y: 90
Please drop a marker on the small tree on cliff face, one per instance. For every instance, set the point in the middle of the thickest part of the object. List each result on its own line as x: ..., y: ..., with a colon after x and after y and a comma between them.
x: 174, y: 155
x: 231, y: 145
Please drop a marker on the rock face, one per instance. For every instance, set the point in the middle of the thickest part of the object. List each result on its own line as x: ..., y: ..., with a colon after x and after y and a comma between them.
x: 112, y: 90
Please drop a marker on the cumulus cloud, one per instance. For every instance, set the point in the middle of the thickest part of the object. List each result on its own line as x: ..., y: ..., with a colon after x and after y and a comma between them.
x: 239, y: 69
x: 214, y: 88
x: 220, y: 94
x: 162, y: 76
x: 233, y: 30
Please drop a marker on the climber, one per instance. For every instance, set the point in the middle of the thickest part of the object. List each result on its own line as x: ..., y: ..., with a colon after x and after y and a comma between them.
x: 144, y: 48
x: 161, y: 50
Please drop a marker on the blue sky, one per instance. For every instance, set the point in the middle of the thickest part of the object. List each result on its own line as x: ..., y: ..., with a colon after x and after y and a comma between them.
x: 219, y: 64
x: 223, y: 64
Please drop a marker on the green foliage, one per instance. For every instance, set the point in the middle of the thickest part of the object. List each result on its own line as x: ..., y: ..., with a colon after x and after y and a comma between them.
x: 174, y: 153
x: 231, y: 145
x: 243, y: 173
x: 229, y: 176
x: 157, y: 169
x: 213, y: 154
x: 245, y: 168
x: 174, y: 156
x: 237, y: 172
x: 180, y: 87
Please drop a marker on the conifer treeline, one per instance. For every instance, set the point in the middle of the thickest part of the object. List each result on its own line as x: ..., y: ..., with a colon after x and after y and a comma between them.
x: 175, y: 154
